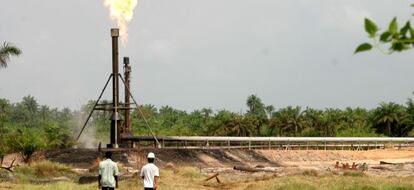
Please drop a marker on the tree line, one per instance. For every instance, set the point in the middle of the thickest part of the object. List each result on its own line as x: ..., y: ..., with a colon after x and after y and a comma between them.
x: 26, y: 126
x: 388, y: 119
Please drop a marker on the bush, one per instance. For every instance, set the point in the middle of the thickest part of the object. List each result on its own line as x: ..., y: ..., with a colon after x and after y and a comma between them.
x: 26, y: 141
x: 310, y: 132
x: 357, y: 132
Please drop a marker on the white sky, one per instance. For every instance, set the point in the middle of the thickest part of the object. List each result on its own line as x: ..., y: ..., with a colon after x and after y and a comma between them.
x: 191, y: 54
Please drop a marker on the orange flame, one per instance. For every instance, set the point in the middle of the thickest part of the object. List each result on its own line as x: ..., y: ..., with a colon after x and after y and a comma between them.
x: 122, y: 11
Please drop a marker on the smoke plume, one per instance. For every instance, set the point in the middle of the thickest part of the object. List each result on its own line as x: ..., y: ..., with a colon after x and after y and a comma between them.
x: 88, y: 138
x: 122, y: 11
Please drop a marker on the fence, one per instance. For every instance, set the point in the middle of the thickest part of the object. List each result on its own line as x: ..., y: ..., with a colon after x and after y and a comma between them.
x: 280, y: 143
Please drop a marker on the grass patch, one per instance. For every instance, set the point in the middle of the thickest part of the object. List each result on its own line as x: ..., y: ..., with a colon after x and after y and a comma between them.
x: 353, y: 173
x: 191, y: 178
x: 191, y: 173
x: 4, y: 175
x: 41, y: 170
x: 57, y: 186
x: 294, y: 186
x: 332, y: 183
x: 50, y: 169
x: 397, y: 187
x: 24, y: 173
x: 313, y: 173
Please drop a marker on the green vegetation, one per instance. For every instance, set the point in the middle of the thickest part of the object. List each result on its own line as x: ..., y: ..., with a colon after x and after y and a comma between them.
x: 6, y: 51
x: 397, y: 38
x: 389, y: 119
x: 27, y: 127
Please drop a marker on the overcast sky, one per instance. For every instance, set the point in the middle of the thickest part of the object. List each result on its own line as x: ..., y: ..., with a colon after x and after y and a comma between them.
x: 191, y: 54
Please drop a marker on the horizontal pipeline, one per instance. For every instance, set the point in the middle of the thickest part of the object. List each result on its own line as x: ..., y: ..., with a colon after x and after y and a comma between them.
x: 272, y: 139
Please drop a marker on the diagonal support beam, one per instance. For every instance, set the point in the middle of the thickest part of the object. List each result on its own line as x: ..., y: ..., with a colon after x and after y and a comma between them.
x: 94, y: 106
x: 143, y: 116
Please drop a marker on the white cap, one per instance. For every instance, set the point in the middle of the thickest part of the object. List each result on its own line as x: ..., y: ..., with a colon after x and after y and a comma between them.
x: 151, y: 155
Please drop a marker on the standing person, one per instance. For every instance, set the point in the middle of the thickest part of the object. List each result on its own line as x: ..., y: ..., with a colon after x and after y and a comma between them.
x: 108, y: 173
x: 150, y: 173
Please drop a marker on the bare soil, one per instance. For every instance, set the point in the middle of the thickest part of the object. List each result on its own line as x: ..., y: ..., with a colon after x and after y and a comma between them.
x: 282, y: 162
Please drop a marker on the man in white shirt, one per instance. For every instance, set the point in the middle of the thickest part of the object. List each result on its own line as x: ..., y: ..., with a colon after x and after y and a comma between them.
x: 108, y: 173
x: 150, y: 173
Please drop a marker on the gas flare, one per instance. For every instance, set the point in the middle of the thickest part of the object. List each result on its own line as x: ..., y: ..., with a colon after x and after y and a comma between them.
x: 122, y: 11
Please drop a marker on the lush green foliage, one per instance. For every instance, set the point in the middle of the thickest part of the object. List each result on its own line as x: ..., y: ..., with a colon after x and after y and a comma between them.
x: 389, y: 119
x: 395, y: 37
x: 27, y: 126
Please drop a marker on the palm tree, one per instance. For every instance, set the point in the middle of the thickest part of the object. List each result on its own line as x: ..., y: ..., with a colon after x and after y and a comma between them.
x: 270, y: 109
x: 256, y: 111
x: 355, y: 119
x: 296, y: 118
x: 255, y: 105
x: 409, y: 121
x: 6, y: 51
x: 290, y: 119
x: 206, y: 113
x: 31, y: 104
x: 331, y: 120
x: 239, y: 126
x: 218, y: 126
x: 388, y: 114
x: 313, y: 120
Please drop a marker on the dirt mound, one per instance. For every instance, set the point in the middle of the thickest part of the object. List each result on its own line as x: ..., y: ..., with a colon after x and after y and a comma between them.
x: 76, y: 157
x: 132, y: 160
x: 179, y: 157
x: 210, y: 158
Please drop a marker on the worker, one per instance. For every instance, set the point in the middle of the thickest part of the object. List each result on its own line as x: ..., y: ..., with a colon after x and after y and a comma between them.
x: 150, y: 173
x: 108, y: 173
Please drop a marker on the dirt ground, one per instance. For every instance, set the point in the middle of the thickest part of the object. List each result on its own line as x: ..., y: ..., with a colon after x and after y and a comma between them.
x: 291, y: 162
x: 282, y: 162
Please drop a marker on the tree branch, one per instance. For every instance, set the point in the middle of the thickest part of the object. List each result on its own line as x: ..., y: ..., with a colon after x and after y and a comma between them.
x: 9, y: 168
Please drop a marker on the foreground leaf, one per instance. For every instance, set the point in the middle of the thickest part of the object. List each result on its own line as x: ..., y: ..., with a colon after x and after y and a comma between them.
x: 363, y: 47
x: 370, y: 27
x: 398, y: 46
x: 393, y: 28
x: 406, y: 28
x: 385, y: 37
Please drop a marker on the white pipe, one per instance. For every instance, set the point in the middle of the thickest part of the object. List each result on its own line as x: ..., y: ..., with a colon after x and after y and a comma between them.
x: 279, y: 139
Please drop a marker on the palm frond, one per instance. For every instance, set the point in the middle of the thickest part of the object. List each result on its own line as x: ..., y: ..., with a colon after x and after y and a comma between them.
x: 6, y: 51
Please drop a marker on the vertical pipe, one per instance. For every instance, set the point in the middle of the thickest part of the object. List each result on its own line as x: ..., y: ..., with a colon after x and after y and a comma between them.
x: 250, y: 145
x: 269, y: 144
x: 115, y: 89
x: 127, y: 72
